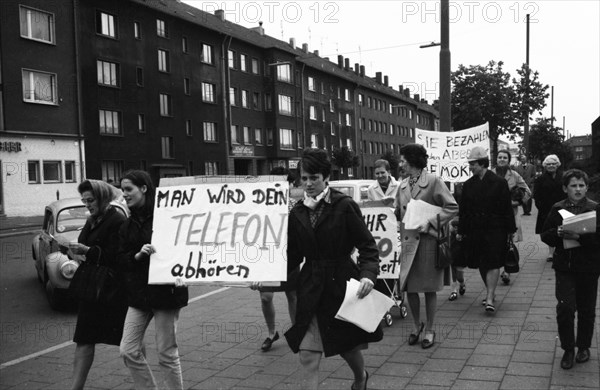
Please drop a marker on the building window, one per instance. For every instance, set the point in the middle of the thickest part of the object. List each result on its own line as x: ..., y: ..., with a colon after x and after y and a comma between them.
x: 211, y: 168
x: 186, y: 86
x: 234, y: 134
x: 361, y: 98
x: 339, y: 93
x: 313, y: 112
x: 110, y: 122
x: 369, y: 102
x: 579, y: 148
x: 269, y: 137
x: 325, y: 143
x: 166, y: 147
x: 52, y: 172
x: 347, y: 94
x: 255, y: 69
x: 188, y: 128
x: 268, y: 102
x: 349, y: 143
x: 37, y: 25
x: 348, y: 120
x: 207, y: 54
x: 314, y: 141
x: 285, y: 105
x: 139, y: 76
x: 108, y: 73
x: 332, y: 128
x: 137, y: 30
x: 361, y: 124
x: 33, y: 172
x: 141, y: 120
x: 105, y: 24
x: 322, y: 88
x: 233, y: 96
x: 112, y: 170
x: 208, y: 92
x: 258, y: 136
x: 350, y: 172
x: 299, y: 140
x: 247, y: 138
x: 210, y: 131
x: 165, y: 104
x: 284, y: 73
x: 370, y: 128
x: 231, y: 58
x: 331, y: 108
x: 286, y: 138
x: 244, y: 98
x: 311, y: 84
x: 323, y: 114
x: 256, y: 100
x: 39, y: 87
x: 70, y: 175
x: 163, y: 60
x: 243, y: 62
x: 161, y: 28
x: 184, y: 44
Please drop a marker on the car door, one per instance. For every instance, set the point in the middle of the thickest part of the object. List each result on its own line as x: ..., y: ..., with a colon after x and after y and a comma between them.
x: 46, y: 238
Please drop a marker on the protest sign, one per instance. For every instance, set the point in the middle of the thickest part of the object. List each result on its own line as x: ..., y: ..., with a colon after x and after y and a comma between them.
x: 220, y: 232
x: 448, y: 151
x: 383, y: 225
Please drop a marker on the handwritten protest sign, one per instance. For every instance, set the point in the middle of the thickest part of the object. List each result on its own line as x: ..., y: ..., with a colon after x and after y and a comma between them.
x: 448, y: 151
x: 382, y: 224
x: 232, y: 232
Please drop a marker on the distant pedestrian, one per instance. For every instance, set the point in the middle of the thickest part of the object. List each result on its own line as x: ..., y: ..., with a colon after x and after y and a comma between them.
x: 486, y: 221
x: 418, y: 273
x: 577, y: 269
x: 547, y: 190
x: 385, y: 187
x: 527, y: 172
x: 323, y: 230
x: 100, y: 322
x: 161, y: 302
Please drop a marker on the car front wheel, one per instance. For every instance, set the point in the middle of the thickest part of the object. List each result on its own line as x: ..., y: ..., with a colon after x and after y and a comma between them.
x: 54, y: 297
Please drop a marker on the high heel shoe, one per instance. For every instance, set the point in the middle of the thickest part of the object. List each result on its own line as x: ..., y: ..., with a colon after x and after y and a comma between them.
x: 366, y: 380
x: 462, y: 289
x: 414, y: 338
x: 428, y: 343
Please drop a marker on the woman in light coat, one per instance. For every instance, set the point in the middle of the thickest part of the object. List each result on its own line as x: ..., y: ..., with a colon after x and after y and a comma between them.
x: 417, y: 265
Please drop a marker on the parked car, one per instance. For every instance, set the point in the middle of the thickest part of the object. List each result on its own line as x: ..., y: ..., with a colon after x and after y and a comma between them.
x: 357, y: 189
x: 63, y: 221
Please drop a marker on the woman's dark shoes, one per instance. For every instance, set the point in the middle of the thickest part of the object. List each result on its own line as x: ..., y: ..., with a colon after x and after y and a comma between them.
x: 490, y: 308
x: 366, y: 380
x: 266, y: 345
x: 462, y: 289
x: 583, y: 355
x: 566, y: 362
x: 505, y: 278
x: 414, y: 338
x: 453, y: 296
x: 428, y: 343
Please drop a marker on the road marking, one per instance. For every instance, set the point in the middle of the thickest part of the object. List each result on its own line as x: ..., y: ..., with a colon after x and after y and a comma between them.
x: 69, y: 343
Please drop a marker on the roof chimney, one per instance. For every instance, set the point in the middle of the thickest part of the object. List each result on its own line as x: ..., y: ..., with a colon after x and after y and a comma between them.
x: 417, y: 97
x: 347, y: 63
x: 406, y: 92
x: 385, y: 80
x: 305, y: 47
x: 401, y: 88
x: 293, y: 42
x: 341, y: 61
x: 378, y: 77
x: 259, y: 29
x: 219, y: 13
x: 316, y: 52
x: 356, y: 68
x: 362, y: 71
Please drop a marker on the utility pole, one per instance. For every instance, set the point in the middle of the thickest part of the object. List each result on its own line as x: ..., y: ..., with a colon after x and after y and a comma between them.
x: 445, y: 114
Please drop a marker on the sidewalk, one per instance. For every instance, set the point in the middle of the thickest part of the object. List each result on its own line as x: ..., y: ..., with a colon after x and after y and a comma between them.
x: 10, y: 226
x: 220, y: 336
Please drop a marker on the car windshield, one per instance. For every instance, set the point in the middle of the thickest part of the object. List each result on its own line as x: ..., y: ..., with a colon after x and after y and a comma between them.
x: 346, y: 190
x: 71, y: 219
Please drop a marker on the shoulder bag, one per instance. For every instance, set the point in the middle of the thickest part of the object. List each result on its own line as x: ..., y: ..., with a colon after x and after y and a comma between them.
x: 443, y: 253
x: 92, y: 282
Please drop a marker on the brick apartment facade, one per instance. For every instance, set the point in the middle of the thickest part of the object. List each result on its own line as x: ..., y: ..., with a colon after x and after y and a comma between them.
x: 99, y: 87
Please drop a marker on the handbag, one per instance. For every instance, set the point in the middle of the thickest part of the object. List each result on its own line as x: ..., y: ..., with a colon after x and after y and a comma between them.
x: 511, y: 263
x: 93, y: 282
x: 443, y: 252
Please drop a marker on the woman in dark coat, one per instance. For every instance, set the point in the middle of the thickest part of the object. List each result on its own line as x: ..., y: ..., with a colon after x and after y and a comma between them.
x: 486, y: 220
x: 146, y: 302
x: 547, y: 190
x: 323, y: 229
x: 98, y: 241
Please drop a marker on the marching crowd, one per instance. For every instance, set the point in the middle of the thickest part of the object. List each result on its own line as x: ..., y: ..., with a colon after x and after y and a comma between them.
x: 324, y: 227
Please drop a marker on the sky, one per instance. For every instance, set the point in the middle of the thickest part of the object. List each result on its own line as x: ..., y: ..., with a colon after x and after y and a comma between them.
x: 385, y: 36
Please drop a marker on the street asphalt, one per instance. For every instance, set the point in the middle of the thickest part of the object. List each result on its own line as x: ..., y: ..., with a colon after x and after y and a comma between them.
x: 220, y: 334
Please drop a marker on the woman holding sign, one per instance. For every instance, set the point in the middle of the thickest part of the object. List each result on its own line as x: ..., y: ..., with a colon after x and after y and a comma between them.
x: 418, y: 273
x: 323, y: 229
x: 161, y: 302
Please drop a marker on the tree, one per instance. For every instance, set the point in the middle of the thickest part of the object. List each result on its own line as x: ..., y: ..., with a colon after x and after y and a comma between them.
x: 344, y: 157
x: 394, y: 161
x: 486, y: 94
x: 545, y: 139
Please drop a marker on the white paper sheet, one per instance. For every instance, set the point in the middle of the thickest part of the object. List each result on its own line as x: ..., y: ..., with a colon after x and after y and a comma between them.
x: 366, y: 313
x: 418, y: 212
